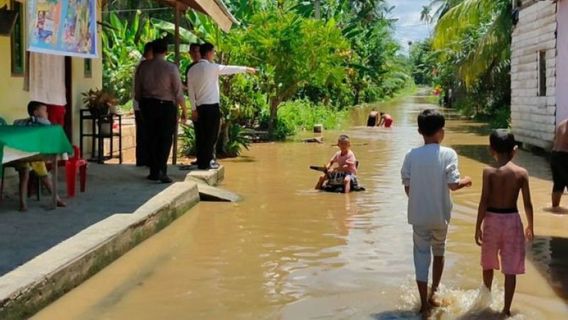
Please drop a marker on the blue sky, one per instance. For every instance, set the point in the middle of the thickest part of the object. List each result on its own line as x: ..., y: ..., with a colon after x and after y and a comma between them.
x: 409, y: 27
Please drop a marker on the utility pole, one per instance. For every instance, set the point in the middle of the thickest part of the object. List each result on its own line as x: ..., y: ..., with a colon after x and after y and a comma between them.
x: 317, y: 10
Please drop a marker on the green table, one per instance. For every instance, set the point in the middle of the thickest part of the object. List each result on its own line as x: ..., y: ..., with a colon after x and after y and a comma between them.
x: 47, y: 141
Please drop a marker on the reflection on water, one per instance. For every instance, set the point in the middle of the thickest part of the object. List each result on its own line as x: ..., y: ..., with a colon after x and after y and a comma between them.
x: 550, y: 255
x: 289, y: 252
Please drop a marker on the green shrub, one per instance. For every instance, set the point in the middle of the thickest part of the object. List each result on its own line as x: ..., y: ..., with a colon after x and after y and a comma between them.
x: 188, y: 141
x: 299, y: 115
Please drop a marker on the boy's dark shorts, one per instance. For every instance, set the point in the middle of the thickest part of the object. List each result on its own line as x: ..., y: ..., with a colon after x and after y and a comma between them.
x: 559, y: 166
x: 371, y: 121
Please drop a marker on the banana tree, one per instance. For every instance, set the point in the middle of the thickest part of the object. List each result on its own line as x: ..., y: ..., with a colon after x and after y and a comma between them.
x: 122, y: 45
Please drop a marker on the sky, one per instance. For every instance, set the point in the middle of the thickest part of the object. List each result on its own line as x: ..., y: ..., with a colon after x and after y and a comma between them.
x: 409, y: 27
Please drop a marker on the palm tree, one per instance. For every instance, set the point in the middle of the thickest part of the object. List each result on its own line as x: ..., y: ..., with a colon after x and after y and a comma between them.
x: 425, y: 14
x: 488, y: 22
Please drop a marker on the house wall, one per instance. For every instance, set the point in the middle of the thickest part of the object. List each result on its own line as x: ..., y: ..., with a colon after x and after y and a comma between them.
x: 562, y: 62
x: 14, y: 99
x: 533, y: 117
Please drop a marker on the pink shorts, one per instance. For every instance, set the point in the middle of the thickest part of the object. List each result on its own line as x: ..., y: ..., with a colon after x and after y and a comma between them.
x: 503, y: 237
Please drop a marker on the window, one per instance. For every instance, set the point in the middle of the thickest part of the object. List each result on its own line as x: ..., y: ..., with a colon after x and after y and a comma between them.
x: 542, y: 73
x: 17, y: 40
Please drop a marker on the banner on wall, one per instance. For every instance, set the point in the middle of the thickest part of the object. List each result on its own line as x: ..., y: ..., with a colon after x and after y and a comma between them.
x: 63, y: 27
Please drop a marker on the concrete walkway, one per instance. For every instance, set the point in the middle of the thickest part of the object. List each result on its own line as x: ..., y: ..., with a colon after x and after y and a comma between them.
x: 44, y: 254
x: 110, y: 189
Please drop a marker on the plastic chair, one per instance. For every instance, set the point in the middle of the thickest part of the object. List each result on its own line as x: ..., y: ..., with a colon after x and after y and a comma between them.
x: 71, y: 166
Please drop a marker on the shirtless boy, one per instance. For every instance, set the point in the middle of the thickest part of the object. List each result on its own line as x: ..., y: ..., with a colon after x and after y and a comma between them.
x: 499, y: 230
x: 559, y: 163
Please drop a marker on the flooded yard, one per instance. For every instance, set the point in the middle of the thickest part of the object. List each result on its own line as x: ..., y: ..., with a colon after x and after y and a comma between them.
x: 289, y: 252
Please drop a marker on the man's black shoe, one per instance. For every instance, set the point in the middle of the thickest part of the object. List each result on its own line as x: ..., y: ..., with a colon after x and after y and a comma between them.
x: 153, y: 177
x: 166, y: 179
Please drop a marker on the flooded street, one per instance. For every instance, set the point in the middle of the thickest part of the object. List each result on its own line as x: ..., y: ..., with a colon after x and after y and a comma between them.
x: 289, y: 252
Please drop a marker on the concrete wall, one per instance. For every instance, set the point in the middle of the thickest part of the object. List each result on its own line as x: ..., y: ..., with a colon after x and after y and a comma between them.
x: 533, y: 117
x: 562, y: 62
x: 14, y: 98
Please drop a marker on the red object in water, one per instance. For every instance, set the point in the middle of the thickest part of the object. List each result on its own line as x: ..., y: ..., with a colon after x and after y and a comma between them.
x: 388, y: 121
x: 71, y: 167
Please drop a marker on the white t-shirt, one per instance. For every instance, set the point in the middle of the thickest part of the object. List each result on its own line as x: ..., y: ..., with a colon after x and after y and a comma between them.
x: 203, y: 82
x: 428, y: 170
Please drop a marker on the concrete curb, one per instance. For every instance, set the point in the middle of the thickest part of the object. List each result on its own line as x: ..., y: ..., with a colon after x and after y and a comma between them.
x: 50, y: 275
x: 210, y: 177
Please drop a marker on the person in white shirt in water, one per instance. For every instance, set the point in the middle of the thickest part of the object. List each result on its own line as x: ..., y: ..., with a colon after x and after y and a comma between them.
x: 203, y: 92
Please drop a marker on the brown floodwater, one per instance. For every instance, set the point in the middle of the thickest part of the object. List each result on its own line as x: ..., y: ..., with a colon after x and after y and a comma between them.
x: 289, y: 252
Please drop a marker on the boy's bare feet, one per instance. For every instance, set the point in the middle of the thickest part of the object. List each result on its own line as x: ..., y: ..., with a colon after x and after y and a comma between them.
x: 61, y: 204
x: 425, y: 311
x: 434, y: 303
x: 506, y: 313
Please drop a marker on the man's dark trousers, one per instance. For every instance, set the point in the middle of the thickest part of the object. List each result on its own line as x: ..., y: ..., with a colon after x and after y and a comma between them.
x: 160, y: 121
x: 209, y: 117
x: 141, y: 144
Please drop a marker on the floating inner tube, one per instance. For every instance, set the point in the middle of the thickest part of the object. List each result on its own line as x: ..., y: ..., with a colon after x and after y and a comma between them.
x: 340, y: 189
x: 335, y: 183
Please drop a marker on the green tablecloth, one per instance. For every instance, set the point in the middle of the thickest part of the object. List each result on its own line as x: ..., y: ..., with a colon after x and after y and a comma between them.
x: 44, y: 140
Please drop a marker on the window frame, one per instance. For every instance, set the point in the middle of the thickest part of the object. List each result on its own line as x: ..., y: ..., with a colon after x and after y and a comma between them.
x: 18, y: 35
x: 541, y: 74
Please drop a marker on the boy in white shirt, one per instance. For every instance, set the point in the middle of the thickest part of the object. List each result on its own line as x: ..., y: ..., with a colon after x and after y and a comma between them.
x: 428, y: 174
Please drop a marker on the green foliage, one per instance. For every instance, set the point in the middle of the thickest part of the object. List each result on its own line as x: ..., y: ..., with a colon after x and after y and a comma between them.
x: 303, y: 115
x: 471, y: 51
x: 423, y: 62
x: 310, y: 69
x: 123, y: 44
x: 188, y: 141
x: 237, y: 140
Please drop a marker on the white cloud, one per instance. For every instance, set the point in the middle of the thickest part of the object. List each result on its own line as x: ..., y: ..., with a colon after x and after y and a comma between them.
x: 409, y: 27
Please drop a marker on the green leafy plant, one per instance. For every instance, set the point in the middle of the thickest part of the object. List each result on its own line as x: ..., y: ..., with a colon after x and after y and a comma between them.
x: 99, y: 102
x: 188, y: 141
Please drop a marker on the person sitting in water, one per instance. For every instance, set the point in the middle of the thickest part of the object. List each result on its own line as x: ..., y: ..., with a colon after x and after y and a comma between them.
x: 373, y: 118
x: 38, y: 117
x: 342, y: 166
x: 385, y: 120
x: 499, y: 230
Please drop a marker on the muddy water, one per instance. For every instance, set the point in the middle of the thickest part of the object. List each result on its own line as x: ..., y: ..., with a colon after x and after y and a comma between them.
x: 289, y: 252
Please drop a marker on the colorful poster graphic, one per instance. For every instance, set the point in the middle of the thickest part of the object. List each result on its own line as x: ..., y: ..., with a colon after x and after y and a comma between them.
x: 63, y: 27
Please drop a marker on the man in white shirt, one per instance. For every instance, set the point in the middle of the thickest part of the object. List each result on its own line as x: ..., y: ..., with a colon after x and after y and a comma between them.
x: 204, y: 95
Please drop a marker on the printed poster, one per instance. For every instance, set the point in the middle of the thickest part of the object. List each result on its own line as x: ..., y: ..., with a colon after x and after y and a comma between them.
x: 63, y: 27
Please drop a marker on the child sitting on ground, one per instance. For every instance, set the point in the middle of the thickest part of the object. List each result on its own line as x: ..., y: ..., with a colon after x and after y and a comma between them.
x: 502, y: 232
x: 342, y: 165
x: 38, y: 117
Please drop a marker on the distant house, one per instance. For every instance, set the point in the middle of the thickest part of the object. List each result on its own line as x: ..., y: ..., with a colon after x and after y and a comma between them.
x: 539, y: 70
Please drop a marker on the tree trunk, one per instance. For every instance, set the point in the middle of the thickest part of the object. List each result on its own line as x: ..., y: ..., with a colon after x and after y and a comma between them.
x: 356, y: 98
x: 273, y: 116
x: 223, y: 140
